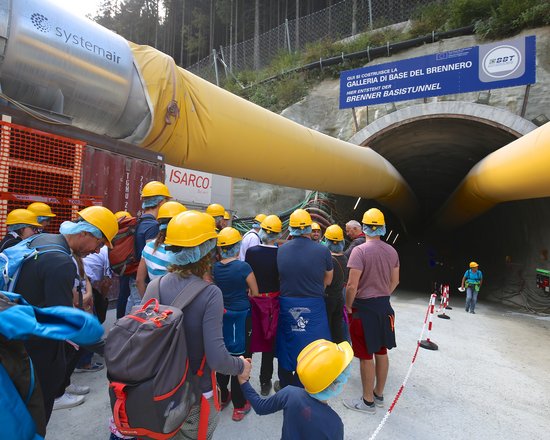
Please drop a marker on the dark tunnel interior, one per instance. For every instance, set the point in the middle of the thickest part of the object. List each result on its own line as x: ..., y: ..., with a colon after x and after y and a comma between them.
x: 434, y: 155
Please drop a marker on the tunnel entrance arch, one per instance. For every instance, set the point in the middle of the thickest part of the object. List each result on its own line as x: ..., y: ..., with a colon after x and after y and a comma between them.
x: 435, y: 145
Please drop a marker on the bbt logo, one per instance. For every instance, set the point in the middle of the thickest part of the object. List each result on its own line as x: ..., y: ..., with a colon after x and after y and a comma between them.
x: 41, y: 22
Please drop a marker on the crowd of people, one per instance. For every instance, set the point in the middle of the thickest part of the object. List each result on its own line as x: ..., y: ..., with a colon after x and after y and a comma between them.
x: 302, y: 300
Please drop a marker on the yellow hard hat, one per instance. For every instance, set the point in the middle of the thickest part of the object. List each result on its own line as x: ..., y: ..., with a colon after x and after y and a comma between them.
x: 170, y: 209
x: 260, y: 218
x: 300, y: 219
x: 155, y: 188
x: 474, y: 264
x: 228, y: 236
x: 103, y: 219
x: 190, y: 228
x: 215, y: 210
x: 373, y: 217
x: 226, y: 216
x: 41, y: 209
x: 315, y: 226
x: 122, y: 214
x: 321, y: 362
x: 334, y: 233
x: 22, y: 217
x: 272, y: 223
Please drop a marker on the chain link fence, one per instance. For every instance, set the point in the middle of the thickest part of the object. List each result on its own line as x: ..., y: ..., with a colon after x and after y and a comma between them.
x: 344, y: 19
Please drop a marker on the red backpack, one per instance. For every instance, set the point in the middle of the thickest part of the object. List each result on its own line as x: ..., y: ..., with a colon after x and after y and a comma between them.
x: 122, y: 257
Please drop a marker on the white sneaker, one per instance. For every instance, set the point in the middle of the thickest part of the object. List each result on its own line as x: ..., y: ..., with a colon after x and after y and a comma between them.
x: 359, y: 405
x: 67, y: 401
x: 78, y: 390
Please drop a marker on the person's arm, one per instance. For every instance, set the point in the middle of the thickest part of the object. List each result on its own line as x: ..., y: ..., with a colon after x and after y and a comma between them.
x: 87, y: 299
x: 141, y: 277
x: 266, y: 406
x: 351, y: 288
x: 252, y: 284
x: 329, y: 269
x: 216, y: 353
x: 394, y: 279
x: 463, y: 281
x: 328, y: 278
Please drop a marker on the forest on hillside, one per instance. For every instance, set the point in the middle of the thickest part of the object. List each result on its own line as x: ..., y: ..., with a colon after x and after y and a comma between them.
x: 188, y: 30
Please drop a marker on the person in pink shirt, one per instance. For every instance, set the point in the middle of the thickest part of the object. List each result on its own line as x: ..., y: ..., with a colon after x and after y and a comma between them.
x: 373, y: 276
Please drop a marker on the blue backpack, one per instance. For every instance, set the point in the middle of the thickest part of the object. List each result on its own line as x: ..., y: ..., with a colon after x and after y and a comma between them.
x: 22, y: 415
x: 13, y: 258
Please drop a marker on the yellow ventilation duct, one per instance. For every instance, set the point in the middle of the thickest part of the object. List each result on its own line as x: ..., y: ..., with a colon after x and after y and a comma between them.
x: 203, y: 127
x: 520, y: 170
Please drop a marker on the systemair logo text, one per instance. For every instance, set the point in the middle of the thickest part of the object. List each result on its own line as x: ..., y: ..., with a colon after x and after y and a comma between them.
x: 502, y: 61
x: 42, y: 23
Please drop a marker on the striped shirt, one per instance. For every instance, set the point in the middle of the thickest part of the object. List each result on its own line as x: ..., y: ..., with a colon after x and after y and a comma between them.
x: 156, y: 260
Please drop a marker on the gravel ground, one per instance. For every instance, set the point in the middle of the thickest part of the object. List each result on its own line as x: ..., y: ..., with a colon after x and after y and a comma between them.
x: 490, y: 378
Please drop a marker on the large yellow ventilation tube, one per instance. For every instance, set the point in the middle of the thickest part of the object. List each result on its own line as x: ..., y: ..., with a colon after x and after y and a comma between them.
x: 518, y: 171
x: 203, y: 127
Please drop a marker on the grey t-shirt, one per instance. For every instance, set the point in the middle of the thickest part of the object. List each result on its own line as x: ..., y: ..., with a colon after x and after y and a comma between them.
x: 203, y: 328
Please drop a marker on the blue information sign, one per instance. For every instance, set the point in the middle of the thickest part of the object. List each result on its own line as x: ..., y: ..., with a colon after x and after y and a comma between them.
x: 490, y: 66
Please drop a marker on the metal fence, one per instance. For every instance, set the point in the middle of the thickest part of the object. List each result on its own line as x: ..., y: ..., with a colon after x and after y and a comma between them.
x: 342, y: 20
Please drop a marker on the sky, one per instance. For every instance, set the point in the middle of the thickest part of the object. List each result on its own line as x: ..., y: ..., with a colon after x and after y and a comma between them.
x: 79, y: 7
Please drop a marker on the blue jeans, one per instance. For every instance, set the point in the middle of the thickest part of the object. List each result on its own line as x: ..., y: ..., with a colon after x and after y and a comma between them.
x: 471, y: 298
x: 135, y: 298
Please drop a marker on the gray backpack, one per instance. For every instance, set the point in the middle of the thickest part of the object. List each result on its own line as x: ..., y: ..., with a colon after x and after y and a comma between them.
x: 150, y: 385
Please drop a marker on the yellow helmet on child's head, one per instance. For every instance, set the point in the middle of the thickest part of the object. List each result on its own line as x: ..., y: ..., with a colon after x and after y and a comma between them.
x: 473, y: 264
x: 300, y: 219
x: 321, y: 362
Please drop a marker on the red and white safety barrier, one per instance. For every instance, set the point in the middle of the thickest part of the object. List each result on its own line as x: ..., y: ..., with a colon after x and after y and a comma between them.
x: 429, y: 312
x: 427, y: 343
x: 444, y: 302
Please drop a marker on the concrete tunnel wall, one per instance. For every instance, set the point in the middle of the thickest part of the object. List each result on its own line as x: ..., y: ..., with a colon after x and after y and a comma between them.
x: 434, y: 146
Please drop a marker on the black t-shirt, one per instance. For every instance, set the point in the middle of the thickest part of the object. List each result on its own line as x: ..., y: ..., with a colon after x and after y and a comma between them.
x: 263, y: 260
x: 49, y: 279
x: 9, y: 240
x: 340, y: 277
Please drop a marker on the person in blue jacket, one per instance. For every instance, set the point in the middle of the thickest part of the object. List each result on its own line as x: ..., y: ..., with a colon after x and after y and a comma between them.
x: 323, y: 368
x: 472, y: 280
